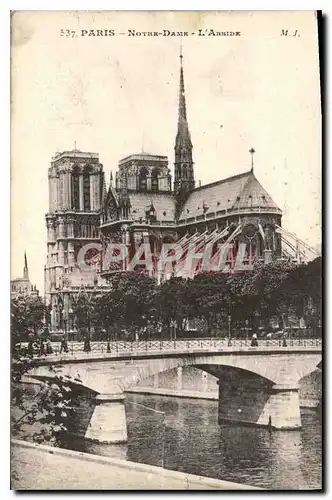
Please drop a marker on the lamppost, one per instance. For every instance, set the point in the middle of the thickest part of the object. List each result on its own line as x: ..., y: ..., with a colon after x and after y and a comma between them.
x: 70, y: 321
x: 229, y: 330
x: 64, y: 315
x: 247, y: 323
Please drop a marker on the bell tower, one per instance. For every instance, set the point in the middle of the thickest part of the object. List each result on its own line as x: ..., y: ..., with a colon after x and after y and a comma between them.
x: 76, y: 190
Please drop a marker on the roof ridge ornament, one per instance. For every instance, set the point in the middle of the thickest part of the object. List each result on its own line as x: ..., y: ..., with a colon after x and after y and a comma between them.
x: 252, y: 152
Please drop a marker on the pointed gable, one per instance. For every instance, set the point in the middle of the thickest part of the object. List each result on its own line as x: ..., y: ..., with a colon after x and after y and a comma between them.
x: 254, y: 195
x: 111, y: 204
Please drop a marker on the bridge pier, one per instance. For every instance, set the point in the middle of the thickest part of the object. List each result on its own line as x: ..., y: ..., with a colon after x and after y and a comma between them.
x: 251, y: 401
x: 108, y: 422
x: 283, y: 408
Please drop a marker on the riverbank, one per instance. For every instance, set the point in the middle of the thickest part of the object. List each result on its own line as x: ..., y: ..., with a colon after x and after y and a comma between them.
x: 208, y: 395
x: 40, y: 467
x: 182, y: 393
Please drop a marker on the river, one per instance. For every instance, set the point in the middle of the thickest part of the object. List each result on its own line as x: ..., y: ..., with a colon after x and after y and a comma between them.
x: 186, y: 437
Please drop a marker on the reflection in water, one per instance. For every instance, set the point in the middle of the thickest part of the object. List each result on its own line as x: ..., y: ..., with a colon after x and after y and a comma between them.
x: 184, y: 435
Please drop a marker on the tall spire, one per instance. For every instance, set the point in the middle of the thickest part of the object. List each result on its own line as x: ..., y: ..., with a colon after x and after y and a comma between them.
x: 25, y: 270
x: 182, y: 97
x: 184, y: 172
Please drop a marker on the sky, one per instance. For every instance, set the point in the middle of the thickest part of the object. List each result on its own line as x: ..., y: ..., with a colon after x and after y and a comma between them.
x: 118, y: 95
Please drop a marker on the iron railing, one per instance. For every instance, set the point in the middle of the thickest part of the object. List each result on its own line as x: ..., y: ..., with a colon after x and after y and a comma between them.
x: 148, y: 347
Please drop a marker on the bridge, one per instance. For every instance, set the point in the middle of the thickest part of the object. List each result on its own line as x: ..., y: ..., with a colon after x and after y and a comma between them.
x: 257, y: 385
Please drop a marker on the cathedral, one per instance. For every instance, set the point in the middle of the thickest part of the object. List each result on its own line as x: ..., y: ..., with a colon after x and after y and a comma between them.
x: 143, y: 205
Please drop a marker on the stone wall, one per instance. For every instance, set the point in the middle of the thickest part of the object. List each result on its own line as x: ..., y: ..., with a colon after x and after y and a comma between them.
x: 185, y: 378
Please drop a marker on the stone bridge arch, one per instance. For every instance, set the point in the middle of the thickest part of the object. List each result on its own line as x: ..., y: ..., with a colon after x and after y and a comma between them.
x: 279, y: 369
x: 273, y: 402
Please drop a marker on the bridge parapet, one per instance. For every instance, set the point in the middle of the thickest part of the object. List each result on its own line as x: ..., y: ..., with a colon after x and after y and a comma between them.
x: 110, y: 350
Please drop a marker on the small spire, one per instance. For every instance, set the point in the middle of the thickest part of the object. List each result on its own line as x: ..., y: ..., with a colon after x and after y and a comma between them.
x: 75, y: 146
x: 111, y: 179
x: 252, y: 152
x: 25, y: 270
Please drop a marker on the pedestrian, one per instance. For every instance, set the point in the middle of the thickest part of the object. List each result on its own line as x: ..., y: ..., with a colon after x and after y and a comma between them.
x: 42, y: 351
x: 171, y: 326
x: 87, y: 346
x: 64, y: 345
x: 284, y: 341
x: 254, y: 341
x: 270, y: 424
x: 49, y: 349
x: 30, y: 349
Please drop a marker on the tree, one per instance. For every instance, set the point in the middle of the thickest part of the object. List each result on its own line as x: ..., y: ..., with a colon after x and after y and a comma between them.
x: 175, y: 302
x: 129, y: 305
x: 52, y: 406
x: 303, y: 288
x: 243, y: 298
x: 27, y: 314
x: 210, y: 298
x: 85, y: 312
x: 50, y: 410
x: 267, y: 285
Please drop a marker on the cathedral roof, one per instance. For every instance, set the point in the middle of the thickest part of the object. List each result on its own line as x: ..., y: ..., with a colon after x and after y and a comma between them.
x: 238, y: 192
x: 143, y: 156
x: 163, y: 203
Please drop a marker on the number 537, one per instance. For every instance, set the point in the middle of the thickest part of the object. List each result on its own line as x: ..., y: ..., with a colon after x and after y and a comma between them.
x: 67, y: 33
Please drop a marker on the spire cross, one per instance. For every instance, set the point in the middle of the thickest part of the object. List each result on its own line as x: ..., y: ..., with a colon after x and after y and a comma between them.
x: 252, y: 152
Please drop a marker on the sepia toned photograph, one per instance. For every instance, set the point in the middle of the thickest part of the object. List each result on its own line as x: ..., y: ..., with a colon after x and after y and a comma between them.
x: 166, y: 250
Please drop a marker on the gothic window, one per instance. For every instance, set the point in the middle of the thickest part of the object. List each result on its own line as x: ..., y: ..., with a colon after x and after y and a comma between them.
x: 184, y: 172
x: 75, y: 189
x: 86, y: 189
x: 125, y: 212
x: 143, y: 179
x: 154, y: 179
x: 76, y: 229
x: 61, y: 190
